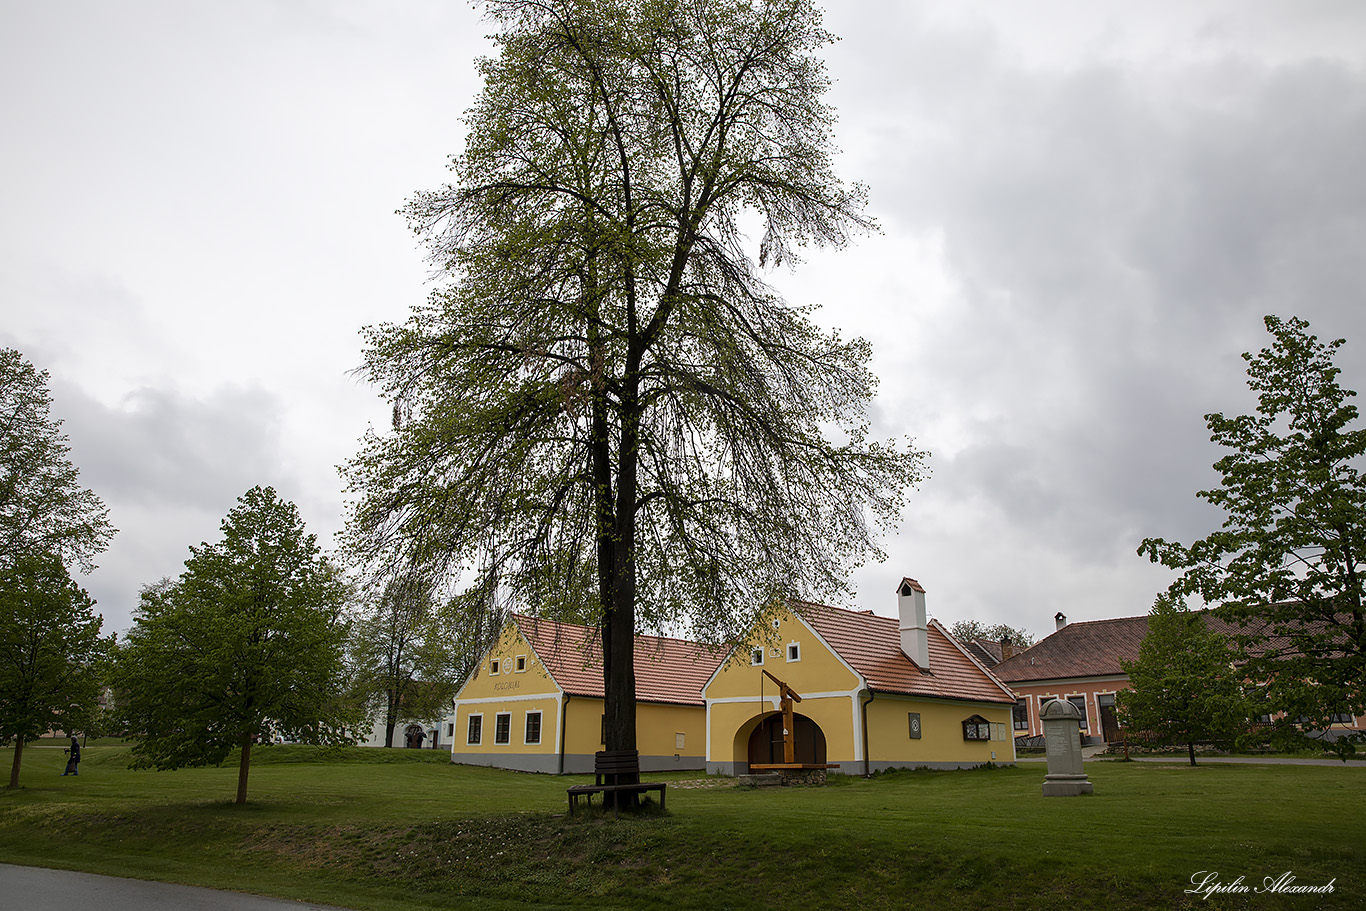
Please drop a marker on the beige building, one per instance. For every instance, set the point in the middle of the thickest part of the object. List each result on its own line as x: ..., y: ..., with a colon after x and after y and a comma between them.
x: 535, y: 702
x: 876, y: 693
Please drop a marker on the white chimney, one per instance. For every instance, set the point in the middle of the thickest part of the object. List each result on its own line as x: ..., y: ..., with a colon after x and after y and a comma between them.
x: 1060, y: 619
x: 915, y: 632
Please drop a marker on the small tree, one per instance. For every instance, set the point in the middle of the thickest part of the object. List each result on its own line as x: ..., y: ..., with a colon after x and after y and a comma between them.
x: 399, y: 657
x: 1185, y: 686
x: 1287, y: 563
x: 967, y: 630
x: 43, y: 507
x: 247, y: 643
x: 51, y: 653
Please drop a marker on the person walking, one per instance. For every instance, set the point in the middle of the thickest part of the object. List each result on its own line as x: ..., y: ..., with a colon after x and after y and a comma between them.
x: 74, y: 759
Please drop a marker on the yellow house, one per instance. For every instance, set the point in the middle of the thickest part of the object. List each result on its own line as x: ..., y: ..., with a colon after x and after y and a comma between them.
x: 876, y: 693
x: 535, y: 702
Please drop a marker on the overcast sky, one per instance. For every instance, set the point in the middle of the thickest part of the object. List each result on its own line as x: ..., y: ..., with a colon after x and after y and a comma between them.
x: 1086, y: 209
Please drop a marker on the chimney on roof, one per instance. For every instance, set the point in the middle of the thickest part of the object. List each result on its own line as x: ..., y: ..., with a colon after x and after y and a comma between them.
x: 1060, y: 619
x: 915, y: 631
x: 1007, y: 649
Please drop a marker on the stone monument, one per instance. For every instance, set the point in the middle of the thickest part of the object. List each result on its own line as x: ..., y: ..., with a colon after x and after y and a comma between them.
x: 1062, y: 735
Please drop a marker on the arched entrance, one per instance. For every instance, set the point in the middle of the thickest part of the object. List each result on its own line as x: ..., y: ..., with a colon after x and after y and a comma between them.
x: 413, y: 737
x: 766, y: 743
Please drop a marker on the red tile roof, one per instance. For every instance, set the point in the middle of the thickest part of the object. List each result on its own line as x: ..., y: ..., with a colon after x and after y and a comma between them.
x: 1084, y: 649
x: 871, y: 645
x: 984, y: 650
x: 667, y: 670
x: 1095, y: 648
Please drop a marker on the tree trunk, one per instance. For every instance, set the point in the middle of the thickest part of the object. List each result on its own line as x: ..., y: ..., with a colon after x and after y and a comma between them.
x: 18, y: 756
x: 1190, y: 745
x: 242, y: 770
x: 619, y: 639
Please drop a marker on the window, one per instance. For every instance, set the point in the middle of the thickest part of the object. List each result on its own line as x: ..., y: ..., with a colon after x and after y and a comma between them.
x: 494, y: 664
x: 450, y: 729
x: 976, y: 728
x: 533, y: 727
x: 794, y: 651
x: 476, y: 731
x: 913, y: 721
x: 521, y: 663
x: 1021, y: 714
x: 756, y: 656
x: 1080, y: 703
x: 502, y: 727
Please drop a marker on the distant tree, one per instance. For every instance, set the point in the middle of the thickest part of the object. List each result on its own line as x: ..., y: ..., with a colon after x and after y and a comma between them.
x: 43, y: 507
x: 1185, y: 686
x: 607, y: 414
x: 1287, y: 563
x: 398, y: 655
x: 52, y: 658
x: 967, y: 630
x: 247, y: 643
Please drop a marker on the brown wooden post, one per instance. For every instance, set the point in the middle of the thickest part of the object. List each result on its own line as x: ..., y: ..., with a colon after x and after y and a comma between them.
x: 789, y: 722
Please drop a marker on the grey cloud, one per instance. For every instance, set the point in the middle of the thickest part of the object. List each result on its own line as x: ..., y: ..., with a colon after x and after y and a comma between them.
x: 162, y: 447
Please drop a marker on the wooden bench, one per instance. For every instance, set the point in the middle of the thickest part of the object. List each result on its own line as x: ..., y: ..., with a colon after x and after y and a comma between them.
x: 615, y: 772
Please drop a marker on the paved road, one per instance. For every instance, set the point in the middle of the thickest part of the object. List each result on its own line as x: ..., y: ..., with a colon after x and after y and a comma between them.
x: 38, y: 889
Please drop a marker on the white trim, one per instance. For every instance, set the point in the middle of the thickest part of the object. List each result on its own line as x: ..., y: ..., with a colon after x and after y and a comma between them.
x: 531, y: 650
x: 480, y: 741
x: 731, y: 700
x: 496, y: 741
x: 794, y: 648
x: 1085, y: 712
x: 540, y: 727
x: 862, y: 684
x: 519, y: 664
x: 1073, y: 681
x: 491, y: 699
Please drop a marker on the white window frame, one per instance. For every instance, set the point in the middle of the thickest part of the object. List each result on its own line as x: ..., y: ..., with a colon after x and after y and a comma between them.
x: 526, y: 721
x: 756, y: 656
x: 1085, y: 723
x: 495, y: 665
x: 469, y: 726
x: 794, y: 652
x: 521, y: 664
x: 507, y: 737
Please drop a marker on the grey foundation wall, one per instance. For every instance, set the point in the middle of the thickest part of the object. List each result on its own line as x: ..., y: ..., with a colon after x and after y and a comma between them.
x: 574, y: 763
x: 856, y: 768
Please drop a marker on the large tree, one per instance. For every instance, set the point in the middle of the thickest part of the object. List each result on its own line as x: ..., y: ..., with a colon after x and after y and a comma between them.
x: 399, y: 655
x: 43, y: 507
x: 51, y: 655
x: 1287, y: 564
x: 606, y: 413
x: 247, y: 643
x: 1185, y: 686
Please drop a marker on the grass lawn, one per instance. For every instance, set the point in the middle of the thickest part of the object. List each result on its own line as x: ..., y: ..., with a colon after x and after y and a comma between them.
x: 415, y: 832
